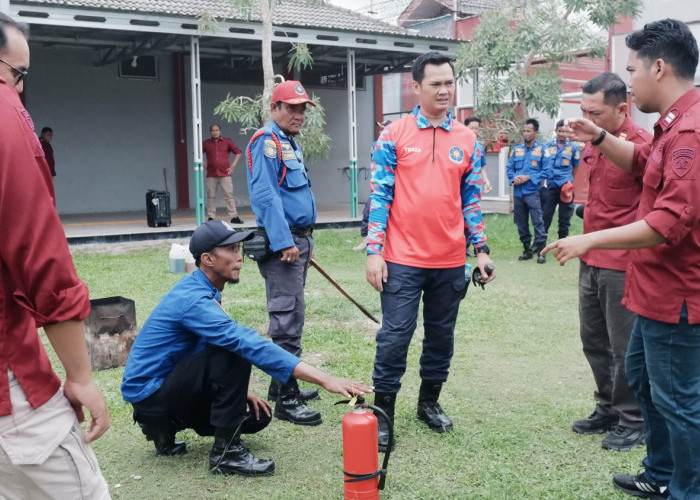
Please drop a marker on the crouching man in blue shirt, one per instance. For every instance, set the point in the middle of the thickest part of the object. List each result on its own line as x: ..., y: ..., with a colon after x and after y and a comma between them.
x: 190, y: 364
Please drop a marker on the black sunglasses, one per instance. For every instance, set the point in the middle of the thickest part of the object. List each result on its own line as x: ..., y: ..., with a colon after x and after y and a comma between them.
x: 20, y: 73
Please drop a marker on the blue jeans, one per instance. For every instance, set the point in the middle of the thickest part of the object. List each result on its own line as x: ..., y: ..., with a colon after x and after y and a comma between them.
x: 663, y: 369
x: 442, y: 291
x: 531, y: 205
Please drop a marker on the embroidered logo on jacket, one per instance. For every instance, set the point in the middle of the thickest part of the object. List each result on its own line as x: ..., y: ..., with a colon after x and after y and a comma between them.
x: 682, y: 159
x: 269, y: 148
x: 456, y: 154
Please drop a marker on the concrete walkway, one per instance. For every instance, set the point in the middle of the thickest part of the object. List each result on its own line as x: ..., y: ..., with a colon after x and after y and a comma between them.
x: 132, y: 226
x: 118, y: 227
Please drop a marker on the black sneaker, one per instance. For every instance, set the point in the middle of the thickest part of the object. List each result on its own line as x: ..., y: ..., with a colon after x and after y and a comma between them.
x: 639, y: 486
x: 237, y: 220
x: 541, y: 259
x: 596, y: 423
x: 623, y: 438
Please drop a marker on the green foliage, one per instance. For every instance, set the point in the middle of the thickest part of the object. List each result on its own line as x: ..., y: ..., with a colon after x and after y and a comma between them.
x: 247, y: 112
x: 243, y: 110
x: 517, y: 50
x: 251, y: 114
x: 301, y: 57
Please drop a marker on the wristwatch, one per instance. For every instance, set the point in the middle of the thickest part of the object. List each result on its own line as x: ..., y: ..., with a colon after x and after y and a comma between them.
x: 600, y: 138
x: 483, y: 249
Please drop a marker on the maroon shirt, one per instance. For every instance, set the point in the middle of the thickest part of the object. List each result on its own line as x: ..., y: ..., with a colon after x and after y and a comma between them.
x: 660, y: 278
x: 218, y: 154
x: 48, y: 154
x: 38, y: 283
x: 613, y: 196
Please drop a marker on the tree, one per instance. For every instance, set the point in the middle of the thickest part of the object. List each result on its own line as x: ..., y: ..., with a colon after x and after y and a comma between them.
x: 508, y: 42
x: 250, y: 113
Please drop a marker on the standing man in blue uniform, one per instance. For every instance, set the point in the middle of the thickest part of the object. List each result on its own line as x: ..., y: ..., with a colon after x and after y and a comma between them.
x: 564, y: 157
x: 527, y: 168
x: 190, y: 364
x: 285, y: 209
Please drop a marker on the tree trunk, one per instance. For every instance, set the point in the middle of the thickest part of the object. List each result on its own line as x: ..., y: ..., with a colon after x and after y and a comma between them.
x: 266, y: 9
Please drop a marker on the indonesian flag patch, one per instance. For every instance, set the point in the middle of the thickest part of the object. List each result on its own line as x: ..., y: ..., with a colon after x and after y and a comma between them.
x: 682, y: 161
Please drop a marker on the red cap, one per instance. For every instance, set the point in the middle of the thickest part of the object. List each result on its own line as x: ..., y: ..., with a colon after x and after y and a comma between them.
x: 567, y: 192
x: 291, y: 92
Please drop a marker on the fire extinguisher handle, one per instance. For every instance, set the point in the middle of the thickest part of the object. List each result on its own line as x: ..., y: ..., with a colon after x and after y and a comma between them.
x: 385, y: 464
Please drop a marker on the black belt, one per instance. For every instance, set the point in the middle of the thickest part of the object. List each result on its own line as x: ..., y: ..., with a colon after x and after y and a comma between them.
x: 302, y: 232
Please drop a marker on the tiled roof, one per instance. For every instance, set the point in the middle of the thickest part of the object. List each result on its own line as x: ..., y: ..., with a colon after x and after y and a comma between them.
x: 287, y: 13
x: 473, y: 6
x: 419, y: 11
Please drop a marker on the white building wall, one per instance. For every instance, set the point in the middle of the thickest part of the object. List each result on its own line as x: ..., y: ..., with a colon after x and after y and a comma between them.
x: 330, y: 185
x: 112, y: 137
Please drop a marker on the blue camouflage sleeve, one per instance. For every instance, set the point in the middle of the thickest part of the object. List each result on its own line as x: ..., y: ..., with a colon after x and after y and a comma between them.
x: 471, y: 198
x: 381, y: 191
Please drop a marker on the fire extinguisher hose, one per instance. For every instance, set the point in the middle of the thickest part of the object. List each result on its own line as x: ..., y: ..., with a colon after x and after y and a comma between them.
x: 381, y: 473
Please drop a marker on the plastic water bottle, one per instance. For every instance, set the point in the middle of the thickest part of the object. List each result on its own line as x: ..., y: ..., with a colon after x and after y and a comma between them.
x: 467, y: 272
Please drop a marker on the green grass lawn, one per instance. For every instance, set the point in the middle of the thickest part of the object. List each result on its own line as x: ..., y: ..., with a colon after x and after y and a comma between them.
x: 518, y: 380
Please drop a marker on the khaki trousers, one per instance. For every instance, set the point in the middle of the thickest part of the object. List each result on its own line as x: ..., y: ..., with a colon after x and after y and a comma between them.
x: 226, y: 184
x: 42, y: 453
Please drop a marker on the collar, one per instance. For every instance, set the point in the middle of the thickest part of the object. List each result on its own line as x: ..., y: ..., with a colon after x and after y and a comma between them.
x: 676, y: 109
x: 199, y: 275
x: 273, y: 127
x: 625, y: 127
x: 422, y: 122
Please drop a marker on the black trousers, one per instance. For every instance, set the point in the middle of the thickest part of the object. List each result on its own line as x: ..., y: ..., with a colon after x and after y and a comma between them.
x: 205, y: 391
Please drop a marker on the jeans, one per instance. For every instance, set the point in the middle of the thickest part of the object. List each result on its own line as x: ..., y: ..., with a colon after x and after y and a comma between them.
x: 531, y: 205
x: 442, y: 291
x: 663, y: 368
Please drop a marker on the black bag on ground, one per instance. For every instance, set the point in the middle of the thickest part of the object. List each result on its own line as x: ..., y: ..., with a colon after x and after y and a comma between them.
x: 158, y: 208
x: 257, y: 248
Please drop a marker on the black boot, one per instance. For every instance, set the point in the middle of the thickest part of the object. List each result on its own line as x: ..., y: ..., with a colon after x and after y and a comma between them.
x: 527, y: 252
x: 291, y: 408
x: 429, y: 410
x: 304, y: 394
x: 229, y: 456
x: 163, y: 438
x: 386, y: 401
x: 536, y: 249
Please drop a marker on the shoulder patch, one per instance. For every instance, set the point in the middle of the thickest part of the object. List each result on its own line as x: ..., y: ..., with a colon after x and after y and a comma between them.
x: 682, y: 159
x: 269, y: 148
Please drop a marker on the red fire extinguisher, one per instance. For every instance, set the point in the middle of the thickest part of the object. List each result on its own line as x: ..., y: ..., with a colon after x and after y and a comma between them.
x: 363, y: 479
